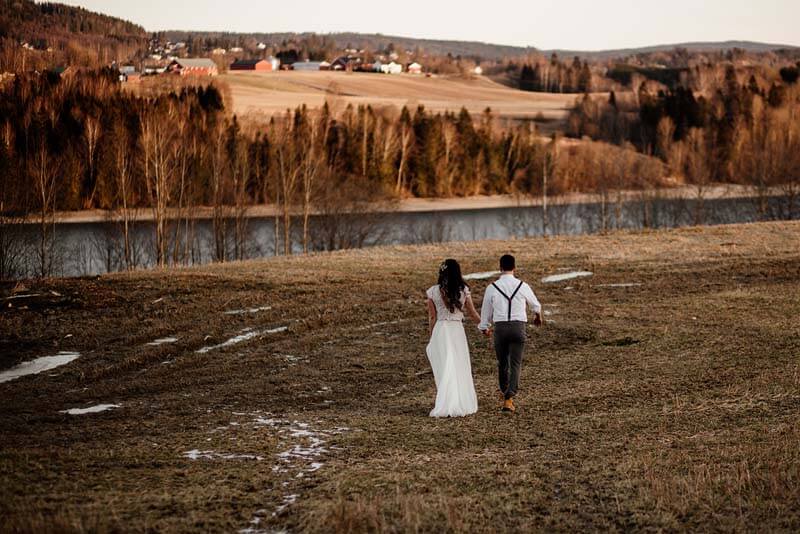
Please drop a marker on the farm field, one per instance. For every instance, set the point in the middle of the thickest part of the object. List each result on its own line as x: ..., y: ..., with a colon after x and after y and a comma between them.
x: 274, y: 92
x: 292, y: 393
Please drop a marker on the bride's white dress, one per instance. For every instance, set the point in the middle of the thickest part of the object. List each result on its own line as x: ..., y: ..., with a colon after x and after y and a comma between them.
x: 448, y: 353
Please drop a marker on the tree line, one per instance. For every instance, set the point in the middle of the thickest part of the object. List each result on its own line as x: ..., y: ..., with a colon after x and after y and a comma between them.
x: 556, y: 76
x: 744, y: 130
x: 83, y: 142
x: 36, y: 36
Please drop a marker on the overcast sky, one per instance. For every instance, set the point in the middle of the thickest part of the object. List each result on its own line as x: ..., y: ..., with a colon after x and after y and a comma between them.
x: 546, y: 24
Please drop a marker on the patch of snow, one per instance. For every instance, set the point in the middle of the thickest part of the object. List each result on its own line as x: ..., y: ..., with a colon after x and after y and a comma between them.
x: 244, y: 335
x: 314, y: 466
x: 375, y: 325
x: 619, y: 285
x: 277, y: 330
x: 92, y: 409
x: 306, y: 446
x: 565, y: 276
x: 196, y: 454
x: 288, y: 500
x: 163, y: 341
x: 31, y: 295
x: 248, y: 310
x: 39, y: 365
x: 482, y: 276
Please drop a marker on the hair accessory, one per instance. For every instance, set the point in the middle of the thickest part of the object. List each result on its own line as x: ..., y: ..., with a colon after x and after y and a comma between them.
x: 442, y: 267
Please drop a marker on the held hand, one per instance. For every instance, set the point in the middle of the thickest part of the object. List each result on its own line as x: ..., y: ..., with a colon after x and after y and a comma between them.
x: 537, y: 320
x: 487, y: 332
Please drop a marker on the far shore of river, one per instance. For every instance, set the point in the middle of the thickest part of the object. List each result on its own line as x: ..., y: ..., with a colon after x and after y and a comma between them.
x: 422, y: 205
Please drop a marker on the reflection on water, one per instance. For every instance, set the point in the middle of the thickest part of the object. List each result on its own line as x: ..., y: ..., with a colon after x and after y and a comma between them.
x: 95, y: 248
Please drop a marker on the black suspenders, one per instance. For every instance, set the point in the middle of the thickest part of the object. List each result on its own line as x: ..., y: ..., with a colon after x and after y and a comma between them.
x: 509, y: 299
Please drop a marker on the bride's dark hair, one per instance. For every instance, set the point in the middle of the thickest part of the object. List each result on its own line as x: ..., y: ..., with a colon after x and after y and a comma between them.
x: 451, y: 284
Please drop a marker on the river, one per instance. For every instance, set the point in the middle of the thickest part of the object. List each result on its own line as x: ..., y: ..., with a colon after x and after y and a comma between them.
x: 85, y: 249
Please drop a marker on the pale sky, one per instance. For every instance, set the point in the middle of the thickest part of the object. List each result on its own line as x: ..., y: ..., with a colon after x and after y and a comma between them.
x: 545, y: 24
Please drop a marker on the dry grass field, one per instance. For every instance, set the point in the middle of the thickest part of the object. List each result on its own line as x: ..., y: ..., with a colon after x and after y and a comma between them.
x: 663, y: 394
x: 274, y: 92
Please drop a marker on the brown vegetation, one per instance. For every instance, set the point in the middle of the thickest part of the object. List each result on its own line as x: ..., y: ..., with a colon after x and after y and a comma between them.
x: 672, y: 405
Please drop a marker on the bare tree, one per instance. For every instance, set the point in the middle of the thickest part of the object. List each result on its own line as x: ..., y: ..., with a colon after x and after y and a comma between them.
x: 91, y: 136
x: 288, y: 171
x: 549, y: 167
x: 124, y: 186
x: 43, y: 172
x: 698, y: 170
x: 313, y: 165
x: 406, y: 136
x: 218, y: 197
x: 449, y: 135
x: 158, y: 138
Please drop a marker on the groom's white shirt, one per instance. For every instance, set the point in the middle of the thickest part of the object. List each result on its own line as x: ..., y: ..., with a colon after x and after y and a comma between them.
x: 495, y: 305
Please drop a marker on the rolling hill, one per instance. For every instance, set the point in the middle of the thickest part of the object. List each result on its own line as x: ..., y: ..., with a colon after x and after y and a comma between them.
x: 57, y: 34
x: 711, y: 46
x: 274, y: 92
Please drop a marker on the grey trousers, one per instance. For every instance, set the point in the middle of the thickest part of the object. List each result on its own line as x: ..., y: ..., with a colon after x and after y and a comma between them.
x: 509, y: 342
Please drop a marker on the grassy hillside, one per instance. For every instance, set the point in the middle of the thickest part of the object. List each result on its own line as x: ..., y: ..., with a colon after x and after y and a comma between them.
x: 670, y: 403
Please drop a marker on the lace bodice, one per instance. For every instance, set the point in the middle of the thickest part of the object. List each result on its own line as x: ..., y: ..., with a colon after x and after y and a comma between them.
x: 442, y: 312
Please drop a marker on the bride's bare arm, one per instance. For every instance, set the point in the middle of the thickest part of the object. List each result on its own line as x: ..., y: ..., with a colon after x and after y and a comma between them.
x: 473, y: 313
x: 431, y: 316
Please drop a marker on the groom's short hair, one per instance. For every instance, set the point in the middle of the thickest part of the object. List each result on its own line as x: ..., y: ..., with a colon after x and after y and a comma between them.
x: 507, y: 263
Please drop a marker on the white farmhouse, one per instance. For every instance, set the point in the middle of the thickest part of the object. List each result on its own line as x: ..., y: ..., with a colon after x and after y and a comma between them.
x: 391, y: 68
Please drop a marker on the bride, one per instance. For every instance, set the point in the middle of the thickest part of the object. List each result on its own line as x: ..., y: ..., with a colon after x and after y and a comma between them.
x: 447, y: 350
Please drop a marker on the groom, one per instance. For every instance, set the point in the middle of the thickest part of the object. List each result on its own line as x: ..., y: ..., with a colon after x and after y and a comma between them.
x: 504, y: 304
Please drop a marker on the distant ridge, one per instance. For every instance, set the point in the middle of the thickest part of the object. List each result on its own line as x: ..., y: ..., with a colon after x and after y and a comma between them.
x: 467, y: 49
x: 475, y: 49
x: 699, y: 46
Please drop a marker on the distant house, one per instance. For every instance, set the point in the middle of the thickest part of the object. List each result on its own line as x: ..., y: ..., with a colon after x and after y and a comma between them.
x: 236, y: 50
x: 219, y: 52
x: 414, y: 68
x: 275, y: 62
x: 324, y: 65
x: 341, y: 63
x: 260, y: 65
x: 477, y: 70
x: 306, y: 65
x: 391, y: 68
x: 193, y: 67
x: 262, y: 46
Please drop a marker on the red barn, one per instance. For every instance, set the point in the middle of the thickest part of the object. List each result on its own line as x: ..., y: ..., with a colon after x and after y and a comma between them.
x: 260, y: 65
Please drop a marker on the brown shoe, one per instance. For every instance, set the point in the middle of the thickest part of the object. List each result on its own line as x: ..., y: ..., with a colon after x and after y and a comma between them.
x: 508, y: 406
